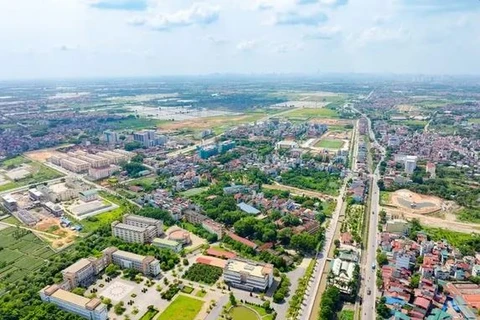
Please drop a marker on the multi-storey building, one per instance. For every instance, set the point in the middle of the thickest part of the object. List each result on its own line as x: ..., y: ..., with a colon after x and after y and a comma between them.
x: 111, y: 137
x: 92, y: 309
x: 144, y: 222
x: 129, y: 233
x: 88, y: 195
x: 100, y: 173
x: 248, y: 275
x: 194, y: 217
x: 96, y: 161
x: 213, y: 227
x: 146, y: 264
x: 81, y: 273
x: 9, y: 203
x: 74, y: 164
x: 145, y: 137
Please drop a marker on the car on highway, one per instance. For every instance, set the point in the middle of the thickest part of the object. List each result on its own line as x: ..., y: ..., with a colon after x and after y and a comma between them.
x: 369, y: 292
x: 373, y: 212
x: 373, y: 266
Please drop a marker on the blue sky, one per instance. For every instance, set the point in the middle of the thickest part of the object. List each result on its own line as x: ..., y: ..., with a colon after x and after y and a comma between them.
x: 99, y: 38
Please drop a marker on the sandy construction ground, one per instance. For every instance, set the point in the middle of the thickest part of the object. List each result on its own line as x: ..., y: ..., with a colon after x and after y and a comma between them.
x: 421, y: 204
x: 41, y: 155
x: 446, y: 222
x: 66, y: 235
x: 331, y: 122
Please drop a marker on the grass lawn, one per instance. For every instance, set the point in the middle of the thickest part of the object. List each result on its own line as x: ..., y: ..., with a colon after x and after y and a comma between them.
x: 201, y: 293
x: 346, y: 315
x: 136, y: 123
x: 243, y: 313
x: 312, y: 113
x: 149, y: 314
x: 182, y: 308
x: 193, y: 192
x: 329, y: 144
x: 39, y: 172
x: 474, y: 120
x: 385, y: 197
x: 22, y: 254
x: 187, y: 289
x: 93, y: 223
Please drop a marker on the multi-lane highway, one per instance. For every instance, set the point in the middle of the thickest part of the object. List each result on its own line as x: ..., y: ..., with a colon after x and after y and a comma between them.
x: 370, y: 267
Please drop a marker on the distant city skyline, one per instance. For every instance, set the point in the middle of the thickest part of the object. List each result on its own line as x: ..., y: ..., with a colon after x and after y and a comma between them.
x: 150, y: 38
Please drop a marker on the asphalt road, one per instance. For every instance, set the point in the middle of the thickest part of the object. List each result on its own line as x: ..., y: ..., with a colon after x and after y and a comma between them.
x: 370, y: 267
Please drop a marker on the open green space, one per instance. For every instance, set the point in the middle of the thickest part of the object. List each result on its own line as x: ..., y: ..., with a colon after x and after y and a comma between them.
x: 93, y: 223
x: 312, y: 113
x: 193, y: 192
x: 329, y: 144
x: 182, y: 308
x: 243, y: 313
x: 474, y: 120
x: 201, y: 293
x: 21, y: 253
x: 149, y: 314
x: 136, y: 123
x: 38, y: 172
x: 385, y: 197
x: 346, y: 315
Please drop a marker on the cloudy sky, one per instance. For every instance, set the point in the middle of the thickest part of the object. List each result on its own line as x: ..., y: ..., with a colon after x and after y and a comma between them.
x: 83, y: 38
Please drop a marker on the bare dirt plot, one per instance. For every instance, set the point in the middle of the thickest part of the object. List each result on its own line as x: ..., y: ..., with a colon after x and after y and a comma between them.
x: 435, y: 222
x: 41, y: 155
x: 418, y: 203
x: 331, y: 122
x: 406, y: 108
x: 52, y: 225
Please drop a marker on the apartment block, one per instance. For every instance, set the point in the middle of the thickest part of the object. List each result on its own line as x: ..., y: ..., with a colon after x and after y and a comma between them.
x: 148, y: 265
x: 92, y: 309
x: 74, y: 165
x: 248, y: 275
x: 213, y: 227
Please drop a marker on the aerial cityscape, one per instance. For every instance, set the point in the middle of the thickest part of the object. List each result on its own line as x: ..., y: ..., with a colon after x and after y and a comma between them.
x: 218, y: 178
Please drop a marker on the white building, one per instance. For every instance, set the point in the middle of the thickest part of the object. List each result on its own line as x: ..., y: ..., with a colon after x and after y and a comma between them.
x: 343, y: 272
x: 167, y: 244
x: 111, y: 137
x: 286, y: 145
x: 129, y: 233
x: 248, y: 275
x: 410, y: 164
x: 92, y: 309
x: 144, y: 222
x: 146, y: 264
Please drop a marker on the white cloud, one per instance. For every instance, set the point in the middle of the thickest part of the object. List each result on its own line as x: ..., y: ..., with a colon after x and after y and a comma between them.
x: 297, y: 18
x: 381, y: 34
x: 287, y: 47
x: 197, y: 14
x: 323, y: 33
x: 247, y: 45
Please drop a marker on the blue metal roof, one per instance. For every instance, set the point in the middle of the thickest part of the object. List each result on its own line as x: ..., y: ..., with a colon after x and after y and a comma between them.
x: 247, y: 208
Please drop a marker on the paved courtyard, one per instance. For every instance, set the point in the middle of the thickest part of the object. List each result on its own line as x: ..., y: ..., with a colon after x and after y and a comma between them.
x: 117, y: 290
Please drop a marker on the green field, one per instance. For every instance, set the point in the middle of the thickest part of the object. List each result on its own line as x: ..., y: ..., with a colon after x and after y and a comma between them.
x: 39, y: 173
x: 385, y: 197
x: 309, y: 113
x: 193, y: 192
x: 346, y: 315
x: 93, y: 223
x: 136, y: 123
x: 150, y: 314
x: 182, y: 308
x: 243, y: 313
x: 22, y: 253
x: 329, y: 144
x: 474, y: 120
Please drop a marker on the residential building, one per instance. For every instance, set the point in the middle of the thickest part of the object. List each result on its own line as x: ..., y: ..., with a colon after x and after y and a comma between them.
x: 213, y: 227
x: 92, y: 309
x: 100, y: 173
x: 286, y: 145
x: 145, y: 137
x: 53, y: 208
x: 410, y: 164
x: 343, y: 272
x: 431, y: 168
x: 167, y: 244
x: 248, y: 275
x: 111, y: 137
x: 148, y: 265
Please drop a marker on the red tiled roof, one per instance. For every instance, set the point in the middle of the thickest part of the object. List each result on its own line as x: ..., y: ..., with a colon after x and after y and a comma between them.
x: 422, y: 303
x: 242, y: 240
x: 220, y: 254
